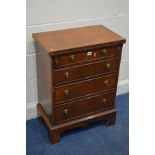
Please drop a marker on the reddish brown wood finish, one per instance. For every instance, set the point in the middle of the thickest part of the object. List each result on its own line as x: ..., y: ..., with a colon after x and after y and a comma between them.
x: 86, y: 71
x: 87, y: 105
x: 84, y: 74
x: 85, y: 87
x: 63, y: 60
x: 78, y: 39
x: 56, y: 130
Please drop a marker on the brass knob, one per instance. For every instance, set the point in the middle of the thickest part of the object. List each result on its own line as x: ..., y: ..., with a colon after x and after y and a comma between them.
x: 108, y: 65
x: 66, y: 75
x: 106, y: 82
x: 66, y: 92
x: 66, y: 111
x: 104, y: 100
x: 72, y: 58
x: 104, y: 51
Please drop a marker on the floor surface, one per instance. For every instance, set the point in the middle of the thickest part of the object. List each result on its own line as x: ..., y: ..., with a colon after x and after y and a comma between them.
x: 96, y: 139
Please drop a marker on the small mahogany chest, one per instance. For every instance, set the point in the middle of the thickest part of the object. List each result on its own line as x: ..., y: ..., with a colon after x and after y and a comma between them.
x: 84, y: 67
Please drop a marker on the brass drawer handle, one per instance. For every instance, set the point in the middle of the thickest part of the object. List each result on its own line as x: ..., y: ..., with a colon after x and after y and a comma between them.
x: 72, y: 58
x: 66, y: 92
x: 104, y: 51
x: 66, y: 111
x: 104, y: 100
x: 66, y: 75
x: 108, y: 65
x: 106, y: 82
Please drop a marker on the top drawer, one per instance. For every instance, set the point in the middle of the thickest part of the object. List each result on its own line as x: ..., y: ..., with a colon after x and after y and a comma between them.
x: 61, y: 61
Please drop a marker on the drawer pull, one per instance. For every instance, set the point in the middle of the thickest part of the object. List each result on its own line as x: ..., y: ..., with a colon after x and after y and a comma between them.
x: 106, y: 82
x: 72, y: 58
x: 104, y: 51
x: 66, y: 111
x: 66, y: 75
x: 66, y: 92
x: 104, y: 100
x: 108, y: 65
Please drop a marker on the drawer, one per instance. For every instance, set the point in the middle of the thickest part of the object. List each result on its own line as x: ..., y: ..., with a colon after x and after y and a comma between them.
x: 85, y: 71
x: 85, y: 87
x: 84, y: 106
x: 61, y: 61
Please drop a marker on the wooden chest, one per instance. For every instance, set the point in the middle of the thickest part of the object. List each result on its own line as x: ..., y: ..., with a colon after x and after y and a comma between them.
x: 84, y: 67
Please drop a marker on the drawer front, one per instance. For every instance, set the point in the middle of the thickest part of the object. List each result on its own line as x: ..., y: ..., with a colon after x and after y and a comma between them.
x: 62, y: 61
x: 84, y: 106
x: 88, y: 70
x: 78, y: 89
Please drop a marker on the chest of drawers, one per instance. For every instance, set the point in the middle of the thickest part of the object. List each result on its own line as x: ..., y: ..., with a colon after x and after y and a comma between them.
x: 84, y: 66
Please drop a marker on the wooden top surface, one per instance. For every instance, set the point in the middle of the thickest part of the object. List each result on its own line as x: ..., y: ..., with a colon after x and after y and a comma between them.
x: 77, y: 38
